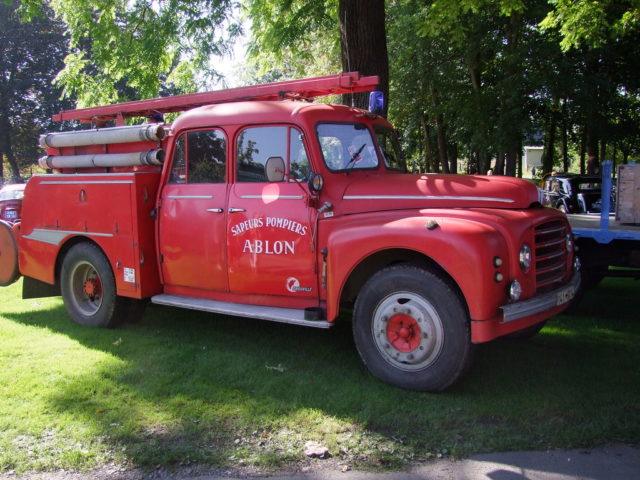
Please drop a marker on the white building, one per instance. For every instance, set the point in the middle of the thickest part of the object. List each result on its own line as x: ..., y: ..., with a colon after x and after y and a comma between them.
x: 532, y: 159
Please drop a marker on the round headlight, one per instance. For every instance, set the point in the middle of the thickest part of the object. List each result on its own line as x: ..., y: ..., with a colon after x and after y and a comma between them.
x: 515, y: 290
x: 525, y: 257
x: 569, y: 242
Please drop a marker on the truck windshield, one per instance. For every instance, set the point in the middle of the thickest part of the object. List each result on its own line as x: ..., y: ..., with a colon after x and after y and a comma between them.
x: 347, y: 146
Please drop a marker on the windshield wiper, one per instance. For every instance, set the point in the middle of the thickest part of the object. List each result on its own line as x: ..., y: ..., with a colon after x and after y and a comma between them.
x: 354, y: 156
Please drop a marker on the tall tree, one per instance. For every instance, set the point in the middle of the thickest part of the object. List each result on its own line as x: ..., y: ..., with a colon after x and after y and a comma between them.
x: 358, y: 25
x: 143, y: 45
x: 363, y: 42
x: 30, y: 56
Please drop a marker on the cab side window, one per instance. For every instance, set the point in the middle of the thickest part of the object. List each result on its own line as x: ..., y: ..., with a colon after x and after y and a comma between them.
x: 200, y: 157
x: 257, y: 144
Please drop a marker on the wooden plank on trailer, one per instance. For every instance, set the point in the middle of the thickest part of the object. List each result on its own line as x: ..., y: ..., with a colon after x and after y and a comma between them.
x: 628, y: 194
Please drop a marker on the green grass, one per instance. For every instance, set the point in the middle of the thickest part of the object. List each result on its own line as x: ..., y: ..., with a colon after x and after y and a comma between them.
x: 183, y: 388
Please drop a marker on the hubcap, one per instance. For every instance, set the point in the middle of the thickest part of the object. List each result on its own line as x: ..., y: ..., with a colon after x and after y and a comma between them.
x: 407, y: 331
x: 86, y: 288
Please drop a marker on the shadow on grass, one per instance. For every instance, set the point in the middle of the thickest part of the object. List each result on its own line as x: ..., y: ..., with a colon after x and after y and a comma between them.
x: 192, y: 387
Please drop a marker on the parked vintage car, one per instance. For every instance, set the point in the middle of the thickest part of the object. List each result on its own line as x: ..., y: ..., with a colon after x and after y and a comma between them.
x: 575, y: 193
x: 11, y: 202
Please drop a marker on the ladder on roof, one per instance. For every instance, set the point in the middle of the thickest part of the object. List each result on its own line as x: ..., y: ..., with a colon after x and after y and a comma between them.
x: 307, y: 89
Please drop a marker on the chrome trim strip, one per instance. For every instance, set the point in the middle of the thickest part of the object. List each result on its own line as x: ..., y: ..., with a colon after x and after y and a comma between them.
x: 55, y: 237
x: 192, y: 197
x: 275, y: 197
x: 76, y: 175
x: 516, y: 311
x: 427, y: 197
x: 84, y: 182
x: 274, y: 314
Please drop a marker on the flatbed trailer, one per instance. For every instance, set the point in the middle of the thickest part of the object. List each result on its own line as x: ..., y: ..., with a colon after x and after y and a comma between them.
x: 604, y: 242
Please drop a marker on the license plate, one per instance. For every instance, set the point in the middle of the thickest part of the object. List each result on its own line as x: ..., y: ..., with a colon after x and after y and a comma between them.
x: 12, y: 214
x: 565, y: 295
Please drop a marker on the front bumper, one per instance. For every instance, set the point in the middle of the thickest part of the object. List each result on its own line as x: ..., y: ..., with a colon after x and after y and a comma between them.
x: 548, y: 301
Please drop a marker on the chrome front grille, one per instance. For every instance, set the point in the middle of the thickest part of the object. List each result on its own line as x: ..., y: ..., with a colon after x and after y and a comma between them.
x: 550, y: 255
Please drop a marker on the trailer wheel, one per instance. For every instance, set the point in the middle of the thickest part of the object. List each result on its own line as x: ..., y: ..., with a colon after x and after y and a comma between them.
x: 89, y: 288
x: 411, y: 329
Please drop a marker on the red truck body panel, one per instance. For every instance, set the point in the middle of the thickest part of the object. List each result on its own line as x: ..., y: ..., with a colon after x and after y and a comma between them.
x: 111, y: 210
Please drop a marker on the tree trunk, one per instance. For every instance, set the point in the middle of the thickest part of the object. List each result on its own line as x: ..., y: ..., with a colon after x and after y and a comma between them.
x: 565, y: 141
x: 6, y: 148
x: 499, y: 168
x: 453, y: 158
x: 476, y: 86
x: 593, y: 163
x: 363, y: 41
x: 511, y: 161
x: 583, y: 152
x: 549, y: 143
x: 442, y: 144
x: 431, y: 163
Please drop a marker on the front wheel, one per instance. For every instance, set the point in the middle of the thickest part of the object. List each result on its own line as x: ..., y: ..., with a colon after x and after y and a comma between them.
x: 411, y: 329
x: 89, y: 289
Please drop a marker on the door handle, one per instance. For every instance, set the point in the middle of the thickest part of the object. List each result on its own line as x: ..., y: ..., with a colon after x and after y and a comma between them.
x: 214, y: 210
x: 235, y: 210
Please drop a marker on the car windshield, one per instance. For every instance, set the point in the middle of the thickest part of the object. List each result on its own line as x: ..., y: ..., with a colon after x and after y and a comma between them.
x: 347, y: 146
x: 11, y: 194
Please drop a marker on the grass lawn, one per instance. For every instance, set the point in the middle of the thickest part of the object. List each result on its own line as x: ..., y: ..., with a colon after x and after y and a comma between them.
x: 183, y: 387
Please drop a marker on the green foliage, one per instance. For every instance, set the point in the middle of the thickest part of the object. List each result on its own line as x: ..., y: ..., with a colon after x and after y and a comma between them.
x: 590, y: 23
x: 30, y: 56
x: 293, y: 39
x: 121, y: 50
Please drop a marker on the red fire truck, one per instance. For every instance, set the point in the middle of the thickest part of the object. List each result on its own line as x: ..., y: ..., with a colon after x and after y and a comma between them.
x: 258, y: 202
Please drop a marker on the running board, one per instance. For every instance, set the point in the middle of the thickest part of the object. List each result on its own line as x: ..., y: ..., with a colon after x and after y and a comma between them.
x: 274, y: 314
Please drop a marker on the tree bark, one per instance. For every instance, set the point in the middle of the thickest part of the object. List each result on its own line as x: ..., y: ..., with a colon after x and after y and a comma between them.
x: 363, y: 41
x: 6, y: 149
x: 442, y: 144
x: 565, y: 140
x: 476, y: 87
x: 499, y: 167
x: 431, y: 163
x: 591, y: 142
x: 583, y: 151
x: 550, y: 142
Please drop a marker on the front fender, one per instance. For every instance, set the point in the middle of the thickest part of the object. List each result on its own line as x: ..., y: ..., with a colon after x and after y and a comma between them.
x: 462, y: 248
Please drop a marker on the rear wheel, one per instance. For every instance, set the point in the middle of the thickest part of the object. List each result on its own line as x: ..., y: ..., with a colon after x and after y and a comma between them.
x: 411, y: 329
x: 89, y: 289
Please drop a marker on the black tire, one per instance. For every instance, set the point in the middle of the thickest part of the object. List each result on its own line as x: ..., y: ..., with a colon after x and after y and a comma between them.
x: 89, y: 289
x: 412, y: 330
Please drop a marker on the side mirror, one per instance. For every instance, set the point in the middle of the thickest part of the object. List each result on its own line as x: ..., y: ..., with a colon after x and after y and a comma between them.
x: 316, y: 182
x: 274, y: 169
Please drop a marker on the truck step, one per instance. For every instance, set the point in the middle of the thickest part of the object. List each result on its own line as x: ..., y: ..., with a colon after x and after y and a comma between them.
x: 273, y: 314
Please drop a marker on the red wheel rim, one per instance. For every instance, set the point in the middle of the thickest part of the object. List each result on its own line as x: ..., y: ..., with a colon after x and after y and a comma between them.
x: 403, y: 333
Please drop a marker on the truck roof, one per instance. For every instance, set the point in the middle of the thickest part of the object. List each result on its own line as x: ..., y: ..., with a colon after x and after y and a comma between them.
x: 256, y: 112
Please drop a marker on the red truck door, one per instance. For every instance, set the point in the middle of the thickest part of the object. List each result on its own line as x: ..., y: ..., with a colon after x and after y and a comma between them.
x: 193, y: 211
x: 269, y: 224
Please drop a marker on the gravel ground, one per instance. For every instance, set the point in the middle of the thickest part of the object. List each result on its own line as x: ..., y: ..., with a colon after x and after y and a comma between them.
x: 619, y: 462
